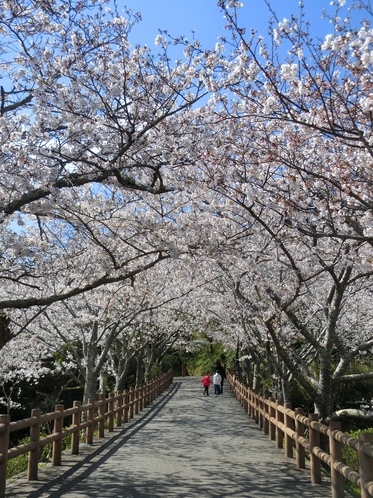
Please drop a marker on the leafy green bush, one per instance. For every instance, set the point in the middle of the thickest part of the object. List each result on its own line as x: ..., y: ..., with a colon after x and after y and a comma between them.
x: 16, y: 465
x: 19, y: 464
x: 204, y: 358
x: 351, y: 457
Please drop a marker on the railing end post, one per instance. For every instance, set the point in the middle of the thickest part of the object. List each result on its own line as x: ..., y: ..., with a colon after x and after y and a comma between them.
x: 4, y: 444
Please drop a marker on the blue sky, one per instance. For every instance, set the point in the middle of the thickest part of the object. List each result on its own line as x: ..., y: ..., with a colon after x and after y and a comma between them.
x: 181, y: 17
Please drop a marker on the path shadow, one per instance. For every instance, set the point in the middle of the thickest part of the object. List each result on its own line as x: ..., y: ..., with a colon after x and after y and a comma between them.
x: 65, y: 481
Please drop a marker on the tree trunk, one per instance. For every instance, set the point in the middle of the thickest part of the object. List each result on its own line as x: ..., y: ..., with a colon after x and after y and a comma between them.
x: 102, y: 383
x: 285, y: 388
x: 90, y: 378
x: 90, y: 385
x: 140, y: 368
x: 5, y: 332
x: 122, y: 373
x: 257, y: 381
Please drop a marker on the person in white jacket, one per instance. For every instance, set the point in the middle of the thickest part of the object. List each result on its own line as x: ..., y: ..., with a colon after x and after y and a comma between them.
x: 217, y: 381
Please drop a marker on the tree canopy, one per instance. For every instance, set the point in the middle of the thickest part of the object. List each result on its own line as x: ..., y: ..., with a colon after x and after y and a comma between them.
x: 146, y: 201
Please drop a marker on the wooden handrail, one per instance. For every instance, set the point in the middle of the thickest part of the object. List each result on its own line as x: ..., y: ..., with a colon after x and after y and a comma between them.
x: 285, y: 422
x: 113, y: 408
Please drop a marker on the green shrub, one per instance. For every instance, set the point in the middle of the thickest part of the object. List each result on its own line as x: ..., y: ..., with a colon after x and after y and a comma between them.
x: 19, y: 464
x: 351, y: 457
x: 16, y: 465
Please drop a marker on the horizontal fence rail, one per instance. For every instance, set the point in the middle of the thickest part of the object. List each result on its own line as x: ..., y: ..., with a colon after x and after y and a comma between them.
x: 288, y: 427
x: 116, y: 409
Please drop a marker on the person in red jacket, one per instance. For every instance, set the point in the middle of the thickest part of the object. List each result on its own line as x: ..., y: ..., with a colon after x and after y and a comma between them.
x: 206, y: 381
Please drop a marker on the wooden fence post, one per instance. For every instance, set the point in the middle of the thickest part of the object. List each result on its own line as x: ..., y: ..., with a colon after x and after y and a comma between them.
x: 153, y: 390
x: 125, y: 406
x: 136, y: 400
x: 101, y: 414
x: 260, y: 411
x: 57, y: 429
x: 4, y: 444
x: 150, y: 392
x: 75, y: 437
x: 90, y: 418
x: 314, y: 441
x: 266, y: 415
x: 119, y: 408
x: 124, y: 403
x: 33, y: 458
x: 288, y: 438
x: 300, y: 450
x: 336, y: 455
x: 111, y: 412
x: 131, y: 401
x: 249, y: 401
x: 279, y: 432
x: 257, y: 414
x: 366, y: 463
x: 146, y: 396
x: 141, y: 398
x: 272, y: 414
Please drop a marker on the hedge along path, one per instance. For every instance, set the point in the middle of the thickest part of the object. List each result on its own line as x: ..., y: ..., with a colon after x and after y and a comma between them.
x: 183, y: 445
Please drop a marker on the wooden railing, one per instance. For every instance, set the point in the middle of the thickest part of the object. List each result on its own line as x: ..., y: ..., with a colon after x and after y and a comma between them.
x: 288, y: 428
x: 116, y: 409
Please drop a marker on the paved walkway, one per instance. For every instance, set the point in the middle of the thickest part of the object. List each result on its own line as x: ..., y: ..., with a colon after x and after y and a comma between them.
x: 185, y: 445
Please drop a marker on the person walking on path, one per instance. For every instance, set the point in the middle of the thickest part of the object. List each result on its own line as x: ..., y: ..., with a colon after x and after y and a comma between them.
x: 217, y: 382
x: 219, y: 368
x: 206, y: 381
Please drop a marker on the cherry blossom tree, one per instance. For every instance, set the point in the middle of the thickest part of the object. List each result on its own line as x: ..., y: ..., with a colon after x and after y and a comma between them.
x: 304, y: 310
x: 83, y: 106
x: 81, y: 332
x: 22, y: 360
x: 296, y: 232
x: 248, y: 177
x: 102, y: 331
x: 311, y: 103
x: 84, y: 114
